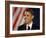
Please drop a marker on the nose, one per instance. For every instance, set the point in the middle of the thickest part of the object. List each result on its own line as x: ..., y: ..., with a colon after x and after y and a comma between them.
x: 25, y: 17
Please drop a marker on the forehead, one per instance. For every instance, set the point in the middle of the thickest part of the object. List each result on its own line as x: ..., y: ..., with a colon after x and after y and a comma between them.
x: 27, y: 12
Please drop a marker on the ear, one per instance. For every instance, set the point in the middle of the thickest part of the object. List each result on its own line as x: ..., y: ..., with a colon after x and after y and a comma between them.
x: 32, y: 17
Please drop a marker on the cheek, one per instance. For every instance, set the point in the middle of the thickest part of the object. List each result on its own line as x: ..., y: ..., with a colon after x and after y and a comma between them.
x: 29, y: 18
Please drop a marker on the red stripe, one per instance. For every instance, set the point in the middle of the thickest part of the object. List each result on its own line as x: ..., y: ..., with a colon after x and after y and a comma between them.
x: 14, y: 10
x: 17, y: 18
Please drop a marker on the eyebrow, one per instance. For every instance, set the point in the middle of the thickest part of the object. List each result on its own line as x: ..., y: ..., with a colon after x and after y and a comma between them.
x: 25, y: 14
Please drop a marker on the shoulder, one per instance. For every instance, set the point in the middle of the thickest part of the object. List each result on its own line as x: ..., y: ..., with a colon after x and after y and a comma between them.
x: 35, y: 27
x: 21, y: 27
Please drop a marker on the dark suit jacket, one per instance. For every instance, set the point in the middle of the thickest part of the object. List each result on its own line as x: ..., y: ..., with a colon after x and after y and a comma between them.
x: 23, y: 27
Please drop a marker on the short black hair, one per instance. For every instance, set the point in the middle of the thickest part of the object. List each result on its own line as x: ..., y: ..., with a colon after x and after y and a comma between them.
x: 30, y: 10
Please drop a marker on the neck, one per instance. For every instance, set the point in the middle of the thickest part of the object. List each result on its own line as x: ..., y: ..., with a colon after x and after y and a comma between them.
x: 29, y: 22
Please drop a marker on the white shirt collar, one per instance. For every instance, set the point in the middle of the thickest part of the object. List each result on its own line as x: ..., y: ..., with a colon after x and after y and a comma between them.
x: 30, y: 25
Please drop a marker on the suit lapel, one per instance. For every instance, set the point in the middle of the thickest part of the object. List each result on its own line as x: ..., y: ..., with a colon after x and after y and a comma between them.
x: 24, y: 27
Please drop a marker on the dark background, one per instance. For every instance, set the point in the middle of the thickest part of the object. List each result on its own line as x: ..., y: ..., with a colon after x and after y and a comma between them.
x: 36, y: 20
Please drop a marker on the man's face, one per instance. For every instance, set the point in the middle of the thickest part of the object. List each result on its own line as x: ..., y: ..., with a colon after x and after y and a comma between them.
x: 27, y: 17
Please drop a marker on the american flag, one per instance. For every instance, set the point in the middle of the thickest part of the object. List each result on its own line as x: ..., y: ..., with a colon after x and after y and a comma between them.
x: 18, y: 16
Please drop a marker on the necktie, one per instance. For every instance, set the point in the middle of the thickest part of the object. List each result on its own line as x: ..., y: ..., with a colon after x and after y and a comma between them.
x: 28, y: 28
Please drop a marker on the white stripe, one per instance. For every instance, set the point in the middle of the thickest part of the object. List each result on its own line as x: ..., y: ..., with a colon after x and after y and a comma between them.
x: 20, y: 18
x: 16, y: 14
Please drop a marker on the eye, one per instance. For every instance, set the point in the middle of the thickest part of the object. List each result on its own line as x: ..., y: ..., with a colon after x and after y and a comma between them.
x: 27, y: 15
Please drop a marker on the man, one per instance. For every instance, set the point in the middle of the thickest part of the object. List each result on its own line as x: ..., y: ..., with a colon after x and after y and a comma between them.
x: 29, y: 25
